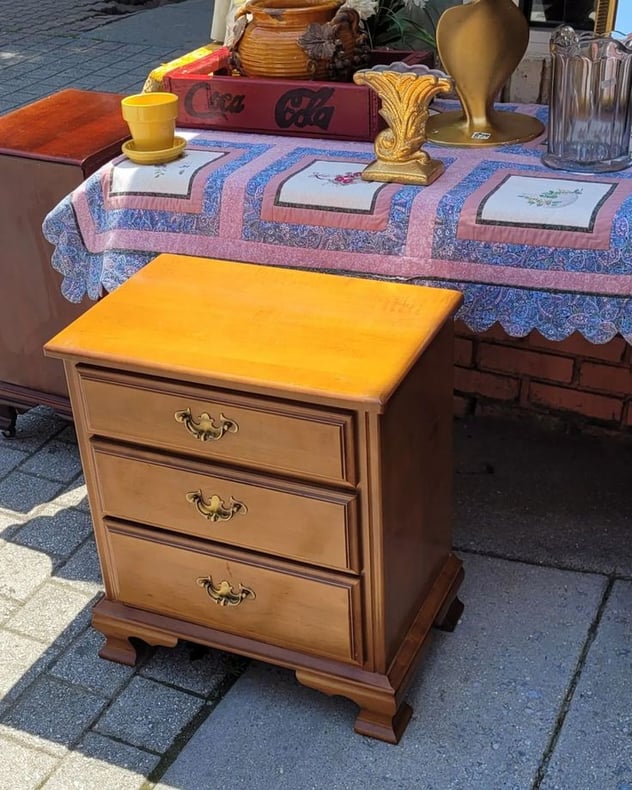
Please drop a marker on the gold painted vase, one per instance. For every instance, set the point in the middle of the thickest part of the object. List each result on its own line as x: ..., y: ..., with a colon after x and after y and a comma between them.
x: 298, y: 39
x: 480, y: 44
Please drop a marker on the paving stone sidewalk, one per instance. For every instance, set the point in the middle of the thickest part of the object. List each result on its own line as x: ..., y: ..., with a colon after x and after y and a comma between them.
x: 531, y: 692
x: 64, y: 713
x: 54, y: 44
x: 67, y: 717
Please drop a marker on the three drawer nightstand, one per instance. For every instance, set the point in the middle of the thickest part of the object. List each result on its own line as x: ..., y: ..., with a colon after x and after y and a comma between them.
x: 268, y: 454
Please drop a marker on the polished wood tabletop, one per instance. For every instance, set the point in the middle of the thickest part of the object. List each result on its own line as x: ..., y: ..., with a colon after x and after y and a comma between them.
x: 240, y: 303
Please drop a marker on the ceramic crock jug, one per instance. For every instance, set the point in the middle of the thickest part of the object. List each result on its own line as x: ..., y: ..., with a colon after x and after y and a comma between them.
x: 298, y: 39
x: 589, y: 106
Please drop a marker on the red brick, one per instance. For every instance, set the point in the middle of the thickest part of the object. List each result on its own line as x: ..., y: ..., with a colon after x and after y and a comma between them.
x: 495, y: 332
x: 545, y: 420
x: 486, y: 384
x: 463, y: 406
x: 577, y: 345
x: 607, y: 378
x: 461, y: 329
x: 526, y: 363
x: 628, y: 414
x: 599, y: 407
x: 463, y: 352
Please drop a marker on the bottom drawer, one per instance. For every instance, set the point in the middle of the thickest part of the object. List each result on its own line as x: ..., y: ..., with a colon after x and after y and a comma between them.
x: 184, y: 578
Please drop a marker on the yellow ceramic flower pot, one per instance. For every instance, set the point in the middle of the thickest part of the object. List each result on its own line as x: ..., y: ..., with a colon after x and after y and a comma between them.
x: 151, y: 118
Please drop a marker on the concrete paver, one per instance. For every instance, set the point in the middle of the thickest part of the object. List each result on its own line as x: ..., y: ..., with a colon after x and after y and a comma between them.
x: 504, y: 480
x: 76, y: 496
x: 80, y: 664
x: 52, y: 715
x: 52, y: 614
x: 56, y: 692
x: 46, y: 46
x: 485, y: 701
x: 23, y: 493
x: 23, y: 765
x: 22, y: 660
x: 7, y: 607
x: 35, y: 71
x: 82, y: 571
x: 22, y: 570
x: 190, y: 667
x: 595, y: 745
x: 36, y: 428
x: 10, y: 458
x: 161, y: 713
x: 55, y: 461
x: 170, y: 27
x: 529, y: 693
x: 58, y: 534
x: 101, y: 763
x: 489, y: 699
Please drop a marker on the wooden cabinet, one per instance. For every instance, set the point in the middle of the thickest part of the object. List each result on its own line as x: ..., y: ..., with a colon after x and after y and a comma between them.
x: 268, y: 461
x: 46, y: 150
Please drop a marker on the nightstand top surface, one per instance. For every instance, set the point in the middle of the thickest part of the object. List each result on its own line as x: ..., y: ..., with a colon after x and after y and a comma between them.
x: 264, y: 329
x: 71, y: 126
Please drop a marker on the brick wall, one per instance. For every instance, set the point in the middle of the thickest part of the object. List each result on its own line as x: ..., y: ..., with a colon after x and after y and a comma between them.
x: 572, y: 380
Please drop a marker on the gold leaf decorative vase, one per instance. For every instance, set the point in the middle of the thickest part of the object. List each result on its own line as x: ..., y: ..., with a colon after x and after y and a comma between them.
x: 480, y: 44
x: 298, y: 39
x: 405, y: 91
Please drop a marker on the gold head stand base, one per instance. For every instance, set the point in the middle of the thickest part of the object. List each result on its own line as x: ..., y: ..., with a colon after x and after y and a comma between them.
x: 480, y: 44
x: 497, y: 128
x: 411, y: 172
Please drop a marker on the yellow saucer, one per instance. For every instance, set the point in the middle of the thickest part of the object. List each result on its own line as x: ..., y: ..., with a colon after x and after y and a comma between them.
x: 154, y: 157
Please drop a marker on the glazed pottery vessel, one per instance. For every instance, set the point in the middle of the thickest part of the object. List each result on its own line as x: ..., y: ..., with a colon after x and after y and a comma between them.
x: 151, y: 118
x: 298, y: 39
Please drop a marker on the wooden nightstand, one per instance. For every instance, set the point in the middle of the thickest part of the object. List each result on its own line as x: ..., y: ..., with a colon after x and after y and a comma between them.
x: 47, y: 148
x: 268, y: 460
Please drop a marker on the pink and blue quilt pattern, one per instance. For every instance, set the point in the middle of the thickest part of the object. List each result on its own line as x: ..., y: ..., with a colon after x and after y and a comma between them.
x: 529, y: 247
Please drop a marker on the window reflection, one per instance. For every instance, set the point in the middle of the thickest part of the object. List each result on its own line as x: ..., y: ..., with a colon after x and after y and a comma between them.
x: 551, y: 13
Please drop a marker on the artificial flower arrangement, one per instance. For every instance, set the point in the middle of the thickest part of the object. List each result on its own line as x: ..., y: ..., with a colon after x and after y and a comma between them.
x: 398, y: 24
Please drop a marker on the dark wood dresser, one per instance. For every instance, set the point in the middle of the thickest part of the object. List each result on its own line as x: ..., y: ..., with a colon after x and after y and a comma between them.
x: 46, y: 150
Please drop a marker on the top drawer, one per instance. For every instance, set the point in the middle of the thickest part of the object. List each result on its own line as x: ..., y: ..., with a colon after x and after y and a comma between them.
x: 262, y: 433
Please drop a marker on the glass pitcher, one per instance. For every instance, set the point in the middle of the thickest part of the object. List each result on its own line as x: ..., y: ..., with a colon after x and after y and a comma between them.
x: 589, y: 105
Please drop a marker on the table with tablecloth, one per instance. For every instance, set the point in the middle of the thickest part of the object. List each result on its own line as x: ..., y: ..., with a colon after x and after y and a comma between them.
x: 529, y: 247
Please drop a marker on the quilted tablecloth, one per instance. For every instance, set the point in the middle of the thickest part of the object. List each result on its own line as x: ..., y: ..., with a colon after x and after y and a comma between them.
x: 529, y: 247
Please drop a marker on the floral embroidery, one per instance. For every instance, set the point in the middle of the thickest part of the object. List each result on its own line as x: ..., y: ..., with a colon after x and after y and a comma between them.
x: 181, y: 165
x: 553, y: 198
x: 342, y: 179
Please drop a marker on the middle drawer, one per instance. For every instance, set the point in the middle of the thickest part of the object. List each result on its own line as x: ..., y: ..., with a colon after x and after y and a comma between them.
x: 296, y: 521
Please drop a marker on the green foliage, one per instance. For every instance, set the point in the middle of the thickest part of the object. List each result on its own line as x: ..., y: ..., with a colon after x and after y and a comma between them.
x: 400, y: 25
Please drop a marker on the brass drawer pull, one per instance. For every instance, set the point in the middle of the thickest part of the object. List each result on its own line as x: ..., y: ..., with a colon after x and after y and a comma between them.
x: 215, y: 509
x: 223, y: 594
x: 204, y: 427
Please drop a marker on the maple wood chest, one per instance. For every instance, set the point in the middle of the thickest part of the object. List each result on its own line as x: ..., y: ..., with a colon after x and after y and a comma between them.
x: 268, y: 461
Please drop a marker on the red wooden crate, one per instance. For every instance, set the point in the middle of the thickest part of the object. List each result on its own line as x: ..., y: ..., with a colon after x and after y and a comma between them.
x: 337, y: 110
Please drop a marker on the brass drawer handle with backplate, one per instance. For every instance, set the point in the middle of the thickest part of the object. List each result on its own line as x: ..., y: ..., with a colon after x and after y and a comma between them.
x: 215, y: 509
x: 223, y: 594
x: 204, y: 427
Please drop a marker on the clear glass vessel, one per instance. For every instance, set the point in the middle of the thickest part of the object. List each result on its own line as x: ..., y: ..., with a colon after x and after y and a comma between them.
x: 589, y: 106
